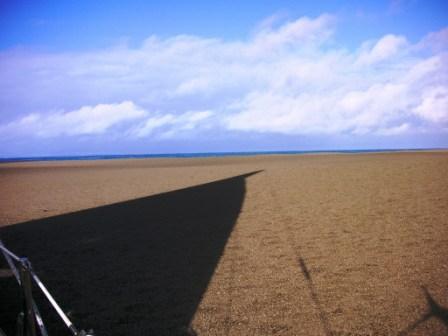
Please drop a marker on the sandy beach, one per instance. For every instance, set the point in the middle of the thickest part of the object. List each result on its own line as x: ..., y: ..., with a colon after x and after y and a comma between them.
x: 331, y: 244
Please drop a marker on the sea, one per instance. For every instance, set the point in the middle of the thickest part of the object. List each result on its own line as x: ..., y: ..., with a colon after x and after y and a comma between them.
x: 194, y: 155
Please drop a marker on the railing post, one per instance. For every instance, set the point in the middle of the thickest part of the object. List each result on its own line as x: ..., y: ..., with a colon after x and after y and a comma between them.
x: 30, y: 316
x: 25, y: 281
x: 20, y: 327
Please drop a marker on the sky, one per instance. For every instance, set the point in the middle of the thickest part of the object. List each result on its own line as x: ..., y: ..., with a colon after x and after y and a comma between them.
x: 141, y: 77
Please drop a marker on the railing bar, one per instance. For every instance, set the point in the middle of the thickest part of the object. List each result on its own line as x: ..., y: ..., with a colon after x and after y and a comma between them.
x: 20, y: 324
x: 40, y: 322
x: 5, y: 250
x: 25, y: 279
x: 38, y: 318
x: 58, y: 309
x: 12, y: 266
x: 37, y: 314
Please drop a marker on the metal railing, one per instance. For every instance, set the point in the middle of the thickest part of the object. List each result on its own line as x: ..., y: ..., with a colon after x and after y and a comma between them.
x: 29, y: 320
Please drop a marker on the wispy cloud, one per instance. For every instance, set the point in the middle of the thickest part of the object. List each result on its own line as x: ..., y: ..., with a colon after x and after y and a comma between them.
x: 88, y: 120
x: 382, y: 50
x: 289, y: 78
x: 398, y: 6
x: 169, y: 125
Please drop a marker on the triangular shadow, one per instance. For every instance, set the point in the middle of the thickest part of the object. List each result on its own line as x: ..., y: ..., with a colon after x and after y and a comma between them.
x: 139, y: 267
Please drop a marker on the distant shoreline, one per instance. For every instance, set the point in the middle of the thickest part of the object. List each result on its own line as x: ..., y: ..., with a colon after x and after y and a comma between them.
x: 205, y: 155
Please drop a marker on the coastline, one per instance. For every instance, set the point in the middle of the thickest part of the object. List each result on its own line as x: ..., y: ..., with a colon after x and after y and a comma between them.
x: 207, y: 155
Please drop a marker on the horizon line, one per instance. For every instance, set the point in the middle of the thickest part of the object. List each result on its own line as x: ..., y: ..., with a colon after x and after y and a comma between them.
x: 93, y: 157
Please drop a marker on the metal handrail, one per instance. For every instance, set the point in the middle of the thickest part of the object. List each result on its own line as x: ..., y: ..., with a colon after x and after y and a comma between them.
x: 24, y: 276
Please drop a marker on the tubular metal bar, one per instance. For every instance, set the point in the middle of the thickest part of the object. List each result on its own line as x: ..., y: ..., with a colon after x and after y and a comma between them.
x: 10, y: 262
x: 8, y: 255
x: 25, y: 280
x: 37, y: 314
x: 5, y: 250
x: 20, y: 326
x: 39, y: 321
x: 58, y: 309
x: 26, y: 265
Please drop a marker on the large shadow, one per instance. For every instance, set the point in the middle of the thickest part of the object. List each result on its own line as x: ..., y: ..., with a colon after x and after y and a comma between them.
x: 138, y: 267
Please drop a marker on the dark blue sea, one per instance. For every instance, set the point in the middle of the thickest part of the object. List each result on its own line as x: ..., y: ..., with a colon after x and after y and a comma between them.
x: 191, y: 155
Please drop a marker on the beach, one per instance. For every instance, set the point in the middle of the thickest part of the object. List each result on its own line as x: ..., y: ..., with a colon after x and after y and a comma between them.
x: 328, y: 244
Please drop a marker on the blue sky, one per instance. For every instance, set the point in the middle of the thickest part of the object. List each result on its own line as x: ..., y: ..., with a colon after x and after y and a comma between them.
x: 84, y: 77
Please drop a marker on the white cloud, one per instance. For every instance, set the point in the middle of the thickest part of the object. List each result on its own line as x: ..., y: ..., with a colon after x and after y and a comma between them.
x: 387, y: 47
x: 298, y: 33
x: 288, y: 78
x: 338, y: 112
x: 434, y: 105
x: 397, y: 130
x: 435, y: 41
x: 171, y: 124
x: 126, y: 117
x: 88, y: 120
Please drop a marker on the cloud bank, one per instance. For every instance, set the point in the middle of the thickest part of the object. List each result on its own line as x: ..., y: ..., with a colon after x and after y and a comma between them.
x: 293, y: 78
